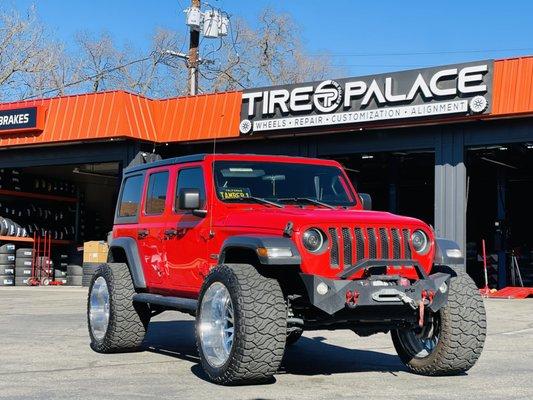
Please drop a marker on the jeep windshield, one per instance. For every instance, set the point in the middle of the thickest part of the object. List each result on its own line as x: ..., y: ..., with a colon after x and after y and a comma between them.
x: 282, y: 183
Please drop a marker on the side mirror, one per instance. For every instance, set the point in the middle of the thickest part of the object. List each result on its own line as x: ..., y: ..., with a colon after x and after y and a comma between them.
x: 366, y: 200
x: 189, y: 199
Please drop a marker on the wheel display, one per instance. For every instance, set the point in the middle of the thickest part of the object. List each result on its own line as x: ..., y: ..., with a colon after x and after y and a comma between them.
x: 115, y: 323
x: 452, y: 339
x: 241, y: 325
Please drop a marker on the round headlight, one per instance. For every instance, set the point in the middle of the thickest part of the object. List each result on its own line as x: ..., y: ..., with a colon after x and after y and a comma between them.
x: 420, y: 242
x: 313, y: 240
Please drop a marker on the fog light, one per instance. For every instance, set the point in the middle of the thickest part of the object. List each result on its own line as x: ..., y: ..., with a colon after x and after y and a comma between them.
x: 443, y: 288
x: 322, y: 288
x: 454, y: 253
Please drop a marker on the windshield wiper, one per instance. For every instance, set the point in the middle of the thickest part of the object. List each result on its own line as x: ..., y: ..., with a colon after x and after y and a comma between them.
x: 309, y: 200
x: 264, y: 201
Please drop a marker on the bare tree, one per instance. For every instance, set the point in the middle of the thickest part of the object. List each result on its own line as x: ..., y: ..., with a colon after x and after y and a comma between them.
x: 24, y: 52
x: 271, y: 54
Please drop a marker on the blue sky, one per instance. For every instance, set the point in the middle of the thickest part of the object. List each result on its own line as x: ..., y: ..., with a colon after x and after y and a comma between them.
x: 363, y: 37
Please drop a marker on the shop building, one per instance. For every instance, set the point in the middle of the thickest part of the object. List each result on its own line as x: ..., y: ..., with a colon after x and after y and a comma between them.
x: 452, y: 145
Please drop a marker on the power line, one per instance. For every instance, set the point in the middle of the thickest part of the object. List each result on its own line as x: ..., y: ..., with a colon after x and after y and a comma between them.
x: 416, y: 53
x: 88, y: 78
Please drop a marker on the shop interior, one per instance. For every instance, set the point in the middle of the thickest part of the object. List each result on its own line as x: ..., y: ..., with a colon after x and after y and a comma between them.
x: 71, y: 204
x: 499, y: 211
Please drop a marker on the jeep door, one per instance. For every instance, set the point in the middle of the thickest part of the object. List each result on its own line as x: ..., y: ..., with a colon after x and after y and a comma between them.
x: 152, y: 224
x: 187, y: 249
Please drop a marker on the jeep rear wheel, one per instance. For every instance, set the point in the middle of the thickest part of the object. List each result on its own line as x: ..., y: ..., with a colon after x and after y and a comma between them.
x: 241, y: 325
x: 115, y: 323
x: 452, y: 339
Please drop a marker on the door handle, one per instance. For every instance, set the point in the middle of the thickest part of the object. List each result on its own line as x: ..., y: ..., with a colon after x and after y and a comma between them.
x: 170, y: 233
x: 142, y: 233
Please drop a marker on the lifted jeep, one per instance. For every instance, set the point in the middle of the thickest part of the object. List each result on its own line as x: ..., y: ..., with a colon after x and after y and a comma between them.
x: 262, y: 248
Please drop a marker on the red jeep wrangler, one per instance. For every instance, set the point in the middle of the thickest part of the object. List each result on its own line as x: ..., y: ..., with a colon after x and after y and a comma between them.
x: 262, y: 248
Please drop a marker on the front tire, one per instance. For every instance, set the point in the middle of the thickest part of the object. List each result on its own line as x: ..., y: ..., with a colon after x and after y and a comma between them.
x: 115, y: 323
x: 452, y: 341
x: 241, y: 325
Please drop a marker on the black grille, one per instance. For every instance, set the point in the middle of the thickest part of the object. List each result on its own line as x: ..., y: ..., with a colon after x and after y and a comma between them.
x: 347, y: 243
x: 334, y: 248
x: 359, y: 243
x: 396, y: 250
x: 407, y: 249
x: 384, y: 240
x: 372, y: 243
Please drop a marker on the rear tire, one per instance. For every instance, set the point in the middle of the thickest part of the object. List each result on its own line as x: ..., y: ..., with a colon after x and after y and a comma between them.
x: 127, y: 321
x: 259, y: 325
x: 460, y: 329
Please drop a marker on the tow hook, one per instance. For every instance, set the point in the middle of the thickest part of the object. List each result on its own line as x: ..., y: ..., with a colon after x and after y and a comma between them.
x: 351, y: 298
x: 427, y: 297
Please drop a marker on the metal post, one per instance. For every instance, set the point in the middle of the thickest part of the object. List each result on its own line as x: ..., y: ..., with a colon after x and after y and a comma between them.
x: 450, y: 186
x: 501, y: 193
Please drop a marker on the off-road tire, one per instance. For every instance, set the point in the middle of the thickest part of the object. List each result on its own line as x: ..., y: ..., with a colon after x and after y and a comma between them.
x: 462, y: 332
x: 127, y: 320
x: 74, y: 270
x: 293, y: 336
x: 7, y: 269
x: 25, y: 253
x: 8, y: 248
x: 7, y: 258
x: 22, y: 262
x: 260, y: 324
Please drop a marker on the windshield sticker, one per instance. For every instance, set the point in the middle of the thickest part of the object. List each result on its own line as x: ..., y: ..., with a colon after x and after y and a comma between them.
x: 234, y: 193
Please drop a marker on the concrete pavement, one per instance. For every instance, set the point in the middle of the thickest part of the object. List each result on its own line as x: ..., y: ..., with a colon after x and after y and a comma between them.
x: 44, y: 354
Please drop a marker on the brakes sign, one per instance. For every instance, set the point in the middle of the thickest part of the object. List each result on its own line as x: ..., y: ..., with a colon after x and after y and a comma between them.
x: 28, y: 119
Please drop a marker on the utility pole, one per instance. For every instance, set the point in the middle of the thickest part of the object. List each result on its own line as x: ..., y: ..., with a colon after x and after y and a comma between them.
x: 193, y: 58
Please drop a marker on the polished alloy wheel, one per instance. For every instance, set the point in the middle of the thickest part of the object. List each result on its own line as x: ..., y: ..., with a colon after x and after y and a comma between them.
x: 216, y: 326
x: 421, y: 342
x: 99, y: 308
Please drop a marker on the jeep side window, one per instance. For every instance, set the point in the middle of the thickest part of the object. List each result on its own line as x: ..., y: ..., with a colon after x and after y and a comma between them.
x: 190, y: 178
x: 131, y: 196
x: 156, y: 194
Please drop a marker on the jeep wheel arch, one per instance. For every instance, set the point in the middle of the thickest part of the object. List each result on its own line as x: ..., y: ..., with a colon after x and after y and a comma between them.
x: 248, y: 247
x: 124, y: 250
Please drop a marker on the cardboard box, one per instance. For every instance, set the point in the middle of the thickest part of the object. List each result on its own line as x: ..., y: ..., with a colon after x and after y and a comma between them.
x: 95, y: 252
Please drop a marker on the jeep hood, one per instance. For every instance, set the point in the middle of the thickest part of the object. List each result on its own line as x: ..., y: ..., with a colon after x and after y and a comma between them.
x: 273, y: 218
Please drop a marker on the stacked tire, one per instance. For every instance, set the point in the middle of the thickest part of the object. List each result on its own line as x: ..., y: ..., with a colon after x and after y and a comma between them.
x: 7, y: 265
x: 89, y: 269
x: 60, y: 271
x: 23, y: 266
x: 74, y: 275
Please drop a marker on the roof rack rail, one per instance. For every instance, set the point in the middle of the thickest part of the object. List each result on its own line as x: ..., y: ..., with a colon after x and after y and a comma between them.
x: 144, y: 158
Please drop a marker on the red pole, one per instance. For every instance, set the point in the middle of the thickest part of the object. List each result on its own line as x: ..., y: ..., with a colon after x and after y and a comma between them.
x: 486, y: 289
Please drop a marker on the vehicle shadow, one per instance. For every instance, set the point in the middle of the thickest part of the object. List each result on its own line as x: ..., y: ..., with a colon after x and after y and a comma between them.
x: 309, y: 356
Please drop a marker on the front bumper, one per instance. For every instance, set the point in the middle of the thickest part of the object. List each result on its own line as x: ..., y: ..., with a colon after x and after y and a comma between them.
x: 378, y: 293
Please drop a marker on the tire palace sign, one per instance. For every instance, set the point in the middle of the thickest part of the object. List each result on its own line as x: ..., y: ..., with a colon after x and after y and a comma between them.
x: 450, y: 91
x: 28, y: 119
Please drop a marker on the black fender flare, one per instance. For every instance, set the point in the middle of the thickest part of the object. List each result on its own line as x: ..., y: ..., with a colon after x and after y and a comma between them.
x: 448, y: 252
x: 129, y: 246
x: 254, y: 242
